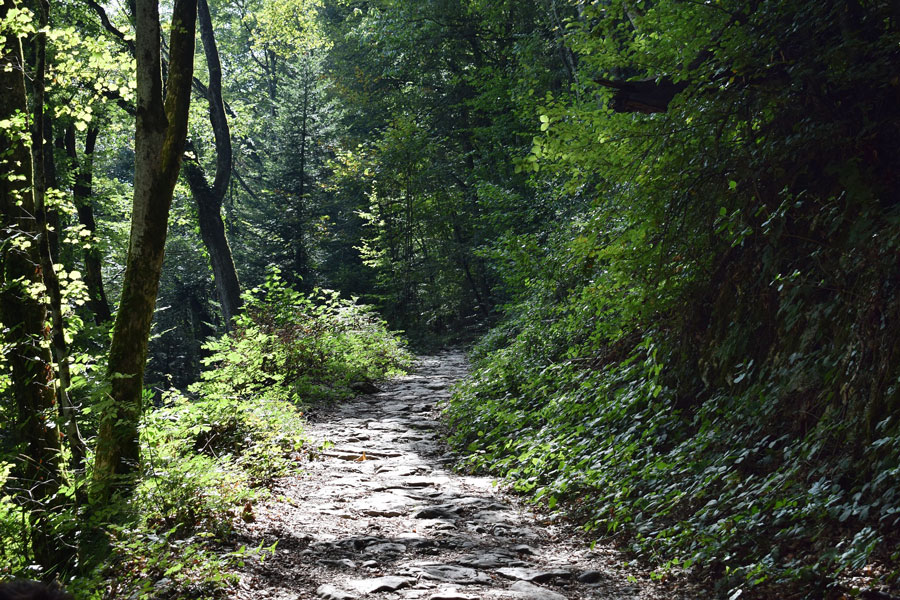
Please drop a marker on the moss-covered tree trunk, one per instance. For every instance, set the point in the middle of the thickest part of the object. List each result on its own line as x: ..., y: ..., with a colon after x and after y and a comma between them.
x: 23, y: 313
x: 160, y: 132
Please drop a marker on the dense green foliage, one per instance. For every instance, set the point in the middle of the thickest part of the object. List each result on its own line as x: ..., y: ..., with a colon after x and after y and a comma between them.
x: 436, y: 97
x: 705, y: 359
x: 14, y: 546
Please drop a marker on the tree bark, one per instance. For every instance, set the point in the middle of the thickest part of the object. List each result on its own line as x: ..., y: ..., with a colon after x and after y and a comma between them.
x: 217, y: 117
x: 82, y: 193
x: 160, y: 134
x: 212, y: 231
x: 22, y: 309
x: 209, y: 198
x: 50, y: 176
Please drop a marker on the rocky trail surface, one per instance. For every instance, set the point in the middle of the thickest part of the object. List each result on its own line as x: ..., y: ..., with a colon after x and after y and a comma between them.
x: 377, y: 513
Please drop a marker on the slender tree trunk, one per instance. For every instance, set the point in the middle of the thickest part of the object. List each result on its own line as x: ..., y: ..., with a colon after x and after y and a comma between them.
x: 22, y: 310
x: 209, y: 198
x: 271, y: 68
x: 40, y: 161
x: 53, y: 220
x: 217, y: 116
x: 82, y: 192
x: 203, y: 328
x: 299, y: 247
x: 566, y: 53
x: 160, y: 133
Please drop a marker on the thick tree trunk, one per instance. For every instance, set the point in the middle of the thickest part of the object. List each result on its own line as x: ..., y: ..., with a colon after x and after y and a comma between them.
x: 160, y: 133
x: 209, y: 198
x: 82, y: 192
x: 22, y: 310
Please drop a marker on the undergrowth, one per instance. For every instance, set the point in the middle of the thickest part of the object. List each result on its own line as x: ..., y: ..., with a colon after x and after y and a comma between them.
x: 751, y: 473
x: 211, y: 453
x: 292, y: 347
x: 14, y: 546
x: 703, y: 362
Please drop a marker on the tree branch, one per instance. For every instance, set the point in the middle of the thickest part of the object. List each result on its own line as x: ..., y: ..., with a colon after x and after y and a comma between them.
x: 107, y: 24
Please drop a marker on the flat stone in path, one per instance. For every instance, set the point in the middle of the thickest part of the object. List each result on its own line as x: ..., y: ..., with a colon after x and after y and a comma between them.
x: 329, y: 592
x: 423, y: 424
x: 529, y: 591
x: 489, y: 560
x: 454, y: 574
x: 409, y: 482
x: 536, y: 575
x: 384, y: 504
x: 436, y: 512
x: 386, y: 426
x: 387, y: 548
x: 406, y: 470
x: 452, y: 595
x: 381, y: 584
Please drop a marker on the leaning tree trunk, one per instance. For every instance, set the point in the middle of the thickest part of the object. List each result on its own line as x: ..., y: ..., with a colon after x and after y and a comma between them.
x: 22, y: 309
x: 160, y: 133
x: 209, y: 198
x: 212, y: 231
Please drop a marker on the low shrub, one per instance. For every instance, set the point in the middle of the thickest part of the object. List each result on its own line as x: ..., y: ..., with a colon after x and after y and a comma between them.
x: 304, y: 349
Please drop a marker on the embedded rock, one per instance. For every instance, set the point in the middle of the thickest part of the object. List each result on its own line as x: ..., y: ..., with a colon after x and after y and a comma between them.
x: 529, y: 591
x: 537, y: 575
x: 453, y: 574
x: 381, y: 584
x: 329, y: 592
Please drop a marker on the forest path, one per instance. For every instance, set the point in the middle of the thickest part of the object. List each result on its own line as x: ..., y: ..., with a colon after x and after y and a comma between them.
x: 377, y: 513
